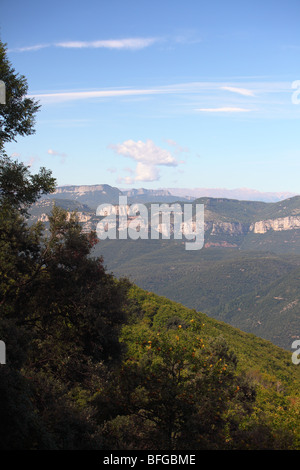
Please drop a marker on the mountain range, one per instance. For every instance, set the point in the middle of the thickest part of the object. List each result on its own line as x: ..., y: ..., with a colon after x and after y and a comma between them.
x: 89, y: 194
x: 238, y: 193
x: 247, y: 274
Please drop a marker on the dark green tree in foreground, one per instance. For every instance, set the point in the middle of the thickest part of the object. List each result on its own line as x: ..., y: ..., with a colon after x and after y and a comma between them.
x: 176, y: 392
x: 17, y: 116
x: 60, y: 312
x: 18, y: 187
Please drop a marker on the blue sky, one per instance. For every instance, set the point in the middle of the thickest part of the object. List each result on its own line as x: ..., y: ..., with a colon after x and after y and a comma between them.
x: 160, y: 93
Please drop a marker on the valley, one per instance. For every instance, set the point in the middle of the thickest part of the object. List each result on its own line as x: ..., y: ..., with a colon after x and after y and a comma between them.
x: 247, y: 274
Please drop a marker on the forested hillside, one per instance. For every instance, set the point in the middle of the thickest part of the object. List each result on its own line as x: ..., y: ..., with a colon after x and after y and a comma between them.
x: 255, y: 291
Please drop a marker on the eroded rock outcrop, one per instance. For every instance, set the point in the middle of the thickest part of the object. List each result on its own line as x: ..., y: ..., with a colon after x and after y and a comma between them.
x: 283, y: 223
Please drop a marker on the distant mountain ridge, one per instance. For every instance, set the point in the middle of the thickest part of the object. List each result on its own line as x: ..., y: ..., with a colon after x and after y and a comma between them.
x: 94, y: 195
x: 247, y: 273
x: 228, y: 222
x: 90, y: 194
x: 239, y: 193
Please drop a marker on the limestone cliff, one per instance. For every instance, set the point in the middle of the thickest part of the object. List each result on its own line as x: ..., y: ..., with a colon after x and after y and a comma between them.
x: 283, y: 223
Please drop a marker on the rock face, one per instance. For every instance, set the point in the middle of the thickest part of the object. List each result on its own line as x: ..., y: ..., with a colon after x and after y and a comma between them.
x: 228, y: 223
x: 218, y: 228
x: 283, y: 223
x: 233, y: 228
x: 83, y: 189
x: 85, y: 219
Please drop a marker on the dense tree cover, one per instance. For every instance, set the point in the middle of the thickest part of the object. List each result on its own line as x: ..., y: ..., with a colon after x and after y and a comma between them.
x: 93, y: 363
x: 254, y: 291
x: 60, y: 317
x: 17, y: 116
x: 177, y: 392
x: 181, y: 386
x: 60, y: 312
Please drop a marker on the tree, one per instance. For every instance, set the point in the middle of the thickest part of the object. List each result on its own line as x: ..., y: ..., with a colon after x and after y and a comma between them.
x: 60, y: 312
x: 175, y: 391
x: 19, y: 188
x: 19, y: 244
x: 17, y: 116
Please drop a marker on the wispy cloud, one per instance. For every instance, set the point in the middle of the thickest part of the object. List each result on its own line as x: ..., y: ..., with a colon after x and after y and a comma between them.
x: 36, y: 47
x: 240, y: 91
x: 192, y: 88
x: 29, y: 161
x: 225, y: 109
x: 55, y: 153
x: 131, y: 43
x: 82, y: 95
x: 267, y: 99
x: 125, y: 43
x: 177, y: 147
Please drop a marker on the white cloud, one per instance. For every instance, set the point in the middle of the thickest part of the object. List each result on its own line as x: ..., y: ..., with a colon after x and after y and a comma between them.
x: 177, y: 147
x: 145, y: 172
x: 126, y: 180
x: 31, y: 161
x: 145, y: 152
x: 36, y: 47
x: 82, y: 95
x: 148, y: 157
x: 240, y: 91
x: 223, y: 110
x: 54, y: 153
x: 129, y: 170
x: 127, y: 43
x: 190, y: 97
x: 208, y: 90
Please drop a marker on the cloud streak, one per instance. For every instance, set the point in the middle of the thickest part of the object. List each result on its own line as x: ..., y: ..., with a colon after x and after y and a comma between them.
x: 83, y: 95
x: 54, y: 153
x: 127, y: 43
x: 191, y: 88
x: 240, y: 91
x: 117, y: 44
x: 255, y: 98
x: 226, y: 109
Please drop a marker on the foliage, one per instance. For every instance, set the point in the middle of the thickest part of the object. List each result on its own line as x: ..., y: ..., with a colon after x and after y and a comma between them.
x: 257, y: 292
x: 66, y: 311
x: 17, y: 116
x: 19, y: 189
x: 60, y: 316
x: 182, y: 387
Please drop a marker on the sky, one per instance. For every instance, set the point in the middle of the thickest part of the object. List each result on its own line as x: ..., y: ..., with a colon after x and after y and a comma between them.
x: 160, y: 94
